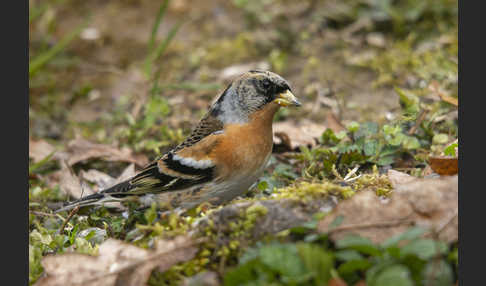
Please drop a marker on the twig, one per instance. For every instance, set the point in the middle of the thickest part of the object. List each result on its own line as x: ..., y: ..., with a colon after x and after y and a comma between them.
x: 420, y: 118
x: 71, y: 214
x: 372, y: 224
x: 41, y: 213
x: 351, y: 173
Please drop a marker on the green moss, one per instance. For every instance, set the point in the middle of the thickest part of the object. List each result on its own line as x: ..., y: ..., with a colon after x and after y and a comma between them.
x: 380, y: 184
x: 306, y: 191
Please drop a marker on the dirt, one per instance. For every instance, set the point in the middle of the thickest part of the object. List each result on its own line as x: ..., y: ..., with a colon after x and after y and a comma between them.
x: 110, y: 64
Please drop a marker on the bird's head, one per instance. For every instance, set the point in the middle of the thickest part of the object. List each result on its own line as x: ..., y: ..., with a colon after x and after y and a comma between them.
x: 253, y: 91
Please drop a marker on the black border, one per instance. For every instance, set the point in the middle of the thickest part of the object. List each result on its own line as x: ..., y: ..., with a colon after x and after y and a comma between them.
x: 14, y: 25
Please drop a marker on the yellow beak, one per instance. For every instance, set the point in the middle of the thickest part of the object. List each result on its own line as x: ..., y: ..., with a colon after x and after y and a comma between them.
x: 287, y: 99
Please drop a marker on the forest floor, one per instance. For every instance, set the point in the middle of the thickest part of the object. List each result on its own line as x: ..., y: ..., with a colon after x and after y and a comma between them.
x: 362, y: 184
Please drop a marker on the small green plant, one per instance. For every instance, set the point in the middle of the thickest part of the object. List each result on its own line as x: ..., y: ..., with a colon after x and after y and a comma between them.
x: 405, y: 259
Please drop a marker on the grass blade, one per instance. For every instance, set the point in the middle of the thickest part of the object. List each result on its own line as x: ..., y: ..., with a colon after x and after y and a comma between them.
x: 155, y: 28
x: 161, y: 47
x: 39, y: 61
x: 35, y: 12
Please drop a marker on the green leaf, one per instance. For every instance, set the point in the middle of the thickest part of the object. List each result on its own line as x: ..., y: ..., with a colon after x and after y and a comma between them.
x: 353, y: 126
x: 366, y: 129
x: 410, y: 143
x: 262, y: 186
x: 244, y: 273
x: 386, y: 160
x: 410, y: 234
x: 370, y: 147
x: 284, y: 259
x: 354, y: 266
x: 358, y: 243
x: 396, y: 275
x: 317, y: 261
x: 408, y: 101
x: 440, y: 138
x: 347, y: 255
x: 328, y: 137
x: 422, y: 248
x: 437, y: 273
x: 451, y: 150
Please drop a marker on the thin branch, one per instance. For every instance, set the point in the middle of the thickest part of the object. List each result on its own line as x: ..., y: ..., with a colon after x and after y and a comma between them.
x: 420, y: 118
x: 71, y: 214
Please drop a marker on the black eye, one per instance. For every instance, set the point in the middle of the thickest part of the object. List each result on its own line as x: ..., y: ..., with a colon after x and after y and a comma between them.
x: 266, y: 84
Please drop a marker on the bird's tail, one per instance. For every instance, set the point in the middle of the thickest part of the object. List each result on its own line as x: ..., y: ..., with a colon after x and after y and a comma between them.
x: 112, y: 194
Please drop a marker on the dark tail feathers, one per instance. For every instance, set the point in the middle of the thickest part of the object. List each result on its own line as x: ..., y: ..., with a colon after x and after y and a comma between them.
x: 112, y: 194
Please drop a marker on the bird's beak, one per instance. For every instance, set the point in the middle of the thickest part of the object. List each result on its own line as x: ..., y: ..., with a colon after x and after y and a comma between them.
x: 287, y: 99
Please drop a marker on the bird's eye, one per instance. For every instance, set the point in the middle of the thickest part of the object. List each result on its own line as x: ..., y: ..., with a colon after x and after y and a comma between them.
x: 266, y: 83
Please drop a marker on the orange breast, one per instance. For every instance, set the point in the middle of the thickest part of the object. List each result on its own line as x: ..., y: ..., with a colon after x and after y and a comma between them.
x: 245, y: 147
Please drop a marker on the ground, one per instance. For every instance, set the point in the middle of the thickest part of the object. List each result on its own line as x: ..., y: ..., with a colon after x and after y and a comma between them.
x: 378, y: 83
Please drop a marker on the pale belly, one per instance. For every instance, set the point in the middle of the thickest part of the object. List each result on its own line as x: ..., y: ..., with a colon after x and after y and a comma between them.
x: 214, y: 192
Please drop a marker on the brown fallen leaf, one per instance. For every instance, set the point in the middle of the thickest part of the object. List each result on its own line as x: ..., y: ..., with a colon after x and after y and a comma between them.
x: 71, y: 184
x: 118, y: 263
x: 397, y: 178
x: 81, y: 150
x: 103, y: 180
x: 444, y: 165
x: 39, y: 149
x: 334, y: 123
x: 126, y: 174
x: 289, y: 136
x: 436, y: 90
x: 430, y: 203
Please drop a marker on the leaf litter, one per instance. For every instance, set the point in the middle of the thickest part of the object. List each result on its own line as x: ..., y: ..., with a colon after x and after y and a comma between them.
x: 431, y: 203
x: 117, y: 264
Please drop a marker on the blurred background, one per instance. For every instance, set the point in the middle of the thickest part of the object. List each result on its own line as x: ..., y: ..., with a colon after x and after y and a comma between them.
x: 113, y: 84
x: 141, y: 72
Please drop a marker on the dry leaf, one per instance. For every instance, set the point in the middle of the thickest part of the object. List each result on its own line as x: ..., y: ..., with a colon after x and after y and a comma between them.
x: 71, y: 184
x: 289, y: 136
x: 126, y: 174
x: 81, y: 150
x: 118, y: 263
x: 397, y: 178
x: 444, y: 165
x: 39, y: 149
x: 430, y: 203
x: 102, y: 180
x: 435, y: 88
x: 334, y: 123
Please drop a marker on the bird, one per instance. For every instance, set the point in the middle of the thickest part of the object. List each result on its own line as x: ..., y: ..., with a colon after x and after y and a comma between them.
x: 222, y: 157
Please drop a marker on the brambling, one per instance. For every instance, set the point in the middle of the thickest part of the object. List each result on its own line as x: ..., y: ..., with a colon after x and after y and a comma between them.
x: 221, y: 158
